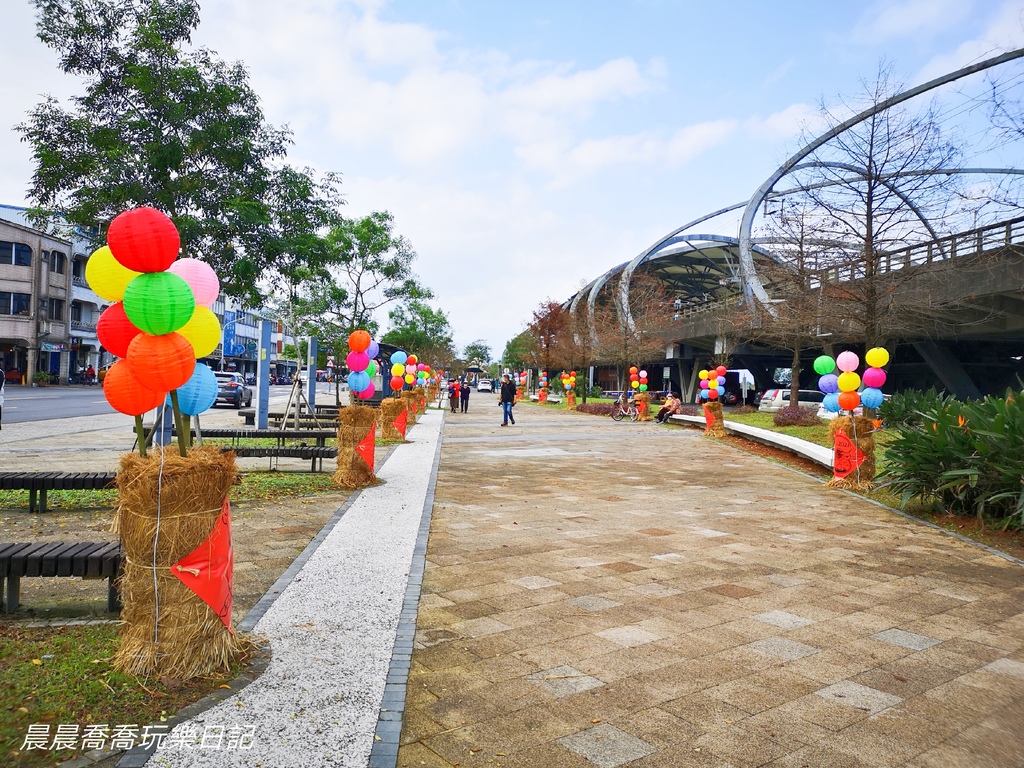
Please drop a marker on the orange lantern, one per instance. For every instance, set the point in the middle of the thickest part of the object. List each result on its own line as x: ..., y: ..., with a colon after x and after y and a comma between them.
x: 359, y: 341
x: 125, y: 394
x: 161, y: 363
x: 849, y: 400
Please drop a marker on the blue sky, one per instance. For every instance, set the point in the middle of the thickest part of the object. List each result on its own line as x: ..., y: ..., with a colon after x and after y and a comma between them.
x: 525, y: 148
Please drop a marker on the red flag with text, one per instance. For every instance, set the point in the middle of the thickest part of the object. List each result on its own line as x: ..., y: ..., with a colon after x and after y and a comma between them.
x: 846, y: 456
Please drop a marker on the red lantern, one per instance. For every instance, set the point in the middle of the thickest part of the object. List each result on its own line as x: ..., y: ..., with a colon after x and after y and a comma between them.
x: 721, y: 370
x: 849, y: 400
x: 115, y: 330
x: 161, y: 363
x: 143, y: 239
x: 397, y: 382
x: 359, y: 341
x: 411, y: 360
x: 125, y: 394
x: 712, y: 394
x: 634, y: 377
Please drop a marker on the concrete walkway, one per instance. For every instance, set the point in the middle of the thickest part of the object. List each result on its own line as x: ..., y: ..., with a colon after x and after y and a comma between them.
x: 628, y: 594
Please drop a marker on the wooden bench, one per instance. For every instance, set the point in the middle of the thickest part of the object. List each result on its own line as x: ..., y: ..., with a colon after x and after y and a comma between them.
x: 275, y: 418
x: 312, y: 452
x: 90, y: 560
x: 41, y: 482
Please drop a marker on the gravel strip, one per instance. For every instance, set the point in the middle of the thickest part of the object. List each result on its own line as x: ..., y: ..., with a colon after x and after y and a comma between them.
x: 331, y: 633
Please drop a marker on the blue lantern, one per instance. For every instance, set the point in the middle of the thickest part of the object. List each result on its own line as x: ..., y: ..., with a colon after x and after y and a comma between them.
x: 199, y: 393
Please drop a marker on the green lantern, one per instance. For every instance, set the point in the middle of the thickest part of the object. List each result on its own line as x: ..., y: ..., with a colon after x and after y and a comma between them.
x: 824, y: 365
x: 371, y: 369
x: 159, y: 302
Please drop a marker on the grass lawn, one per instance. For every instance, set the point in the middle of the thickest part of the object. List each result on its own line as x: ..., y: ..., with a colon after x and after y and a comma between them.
x: 63, y: 676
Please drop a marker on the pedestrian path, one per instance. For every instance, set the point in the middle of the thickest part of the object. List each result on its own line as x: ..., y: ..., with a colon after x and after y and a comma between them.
x: 635, y: 595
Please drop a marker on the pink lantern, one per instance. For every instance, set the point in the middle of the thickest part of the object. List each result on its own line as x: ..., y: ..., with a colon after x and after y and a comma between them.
x: 367, y: 393
x: 874, y: 377
x: 201, y: 279
x: 847, y: 361
x: 357, y: 361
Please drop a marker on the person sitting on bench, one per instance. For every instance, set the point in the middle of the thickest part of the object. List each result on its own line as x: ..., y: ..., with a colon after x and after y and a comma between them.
x: 672, y: 406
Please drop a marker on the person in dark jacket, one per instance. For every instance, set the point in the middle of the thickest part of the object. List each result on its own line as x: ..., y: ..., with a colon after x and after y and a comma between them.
x: 464, y: 397
x: 508, y: 399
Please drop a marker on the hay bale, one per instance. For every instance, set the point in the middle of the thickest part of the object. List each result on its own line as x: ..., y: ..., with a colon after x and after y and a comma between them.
x: 642, y: 400
x: 717, y: 427
x: 570, y: 400
x: 860, y: 430
x: 412, y: 401
x: 355, y: 425
x: 167, y: 507
x: 390, y: 408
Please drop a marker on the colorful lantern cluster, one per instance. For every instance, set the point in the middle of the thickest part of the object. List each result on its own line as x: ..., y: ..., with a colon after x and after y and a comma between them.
x: 160, y: 321
x: 568, y: 381
x: 637, y: 379
x: 543, y: 379
x: 841, y: 391
x: 712, y: 383
x: 361, y: 364
x: 406, y: 369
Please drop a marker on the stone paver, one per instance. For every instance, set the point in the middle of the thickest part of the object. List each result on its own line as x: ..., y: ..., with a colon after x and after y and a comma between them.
x: 628, y: 594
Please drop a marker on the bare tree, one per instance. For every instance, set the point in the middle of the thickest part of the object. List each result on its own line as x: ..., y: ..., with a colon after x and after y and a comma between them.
x: 624, y: 341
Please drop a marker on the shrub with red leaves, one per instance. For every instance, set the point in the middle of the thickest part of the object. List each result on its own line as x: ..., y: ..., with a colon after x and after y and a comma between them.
x: 797, y: 416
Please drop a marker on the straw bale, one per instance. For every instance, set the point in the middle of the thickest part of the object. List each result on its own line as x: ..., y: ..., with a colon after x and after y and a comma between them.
x: 642, y: 400
x: 861, y: 431
x: 570, y: 400
x: 354, y: 424
x: 390, y: 408
x: 167, y: 506
x: 717, y: 428
x: 412, y: 401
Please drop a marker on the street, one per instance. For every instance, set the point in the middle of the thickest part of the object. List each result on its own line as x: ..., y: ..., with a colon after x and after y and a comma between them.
x: 39, y: 403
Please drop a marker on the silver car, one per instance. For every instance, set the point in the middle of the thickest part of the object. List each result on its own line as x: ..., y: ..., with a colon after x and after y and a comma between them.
x: 232, y: 389
x: 776, y: 399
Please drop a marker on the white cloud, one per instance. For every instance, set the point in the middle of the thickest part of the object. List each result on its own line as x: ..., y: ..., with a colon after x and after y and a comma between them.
x: 1003, y: 32
x: 887, y: 20
x: 786, y: 123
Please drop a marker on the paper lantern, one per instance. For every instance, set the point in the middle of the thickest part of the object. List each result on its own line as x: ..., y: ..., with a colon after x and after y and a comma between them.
x: 359, y: 341
x: 159, y: 302
x: 106, y: 276
x: 357, y: 361
x: 202, y: 332
x: 409, y: 378
x: 848, y: 400
x: 848, y: 381
x: 634, y: 384
x: 399, y: 357
x: 411, y: 360
x: 200, y: 278
x: 831, y: 402
x: 633, y: 369
x: 161, y: 363
x: 115, y: 331
x: 874, y: 377
x: 704, y: 384
x: 373, y: 350
x: 143, y: 239
x: 371, y: 368
x: 721, y: 370
x: 397, y: 369
x: 872, y: 397
x: 877, y: 357
x: 703, y: 373
x: 847, y: 361
x: 396, y: 383
x: 199, y: 393
x: 366, y: 394
x: 643, y: 387
x: 125, y: 394
x: 828, y: 383
x: 358, y: 381
x: 712, y: 394
x: 824, y: 364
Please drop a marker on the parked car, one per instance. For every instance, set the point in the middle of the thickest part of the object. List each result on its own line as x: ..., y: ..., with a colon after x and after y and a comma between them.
x: 232, y: 389
x: 776, y: 399
x: 858, y: 411
x: 484, y: 385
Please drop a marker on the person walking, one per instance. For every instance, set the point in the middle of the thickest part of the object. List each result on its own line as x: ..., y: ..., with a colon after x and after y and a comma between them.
x: 508, y: 399
x: 464, y: 397
x: 453, y: 395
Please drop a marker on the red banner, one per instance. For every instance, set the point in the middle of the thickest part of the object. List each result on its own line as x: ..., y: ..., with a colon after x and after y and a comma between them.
x: 846, y: 456
x: 366, y: 446
x: 709, y: 417
x: 208, y: 569
x: 401, y: 422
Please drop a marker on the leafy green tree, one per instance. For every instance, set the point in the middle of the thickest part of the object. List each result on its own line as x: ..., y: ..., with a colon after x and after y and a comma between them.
x: 519, y: 351
x: 418, y: 328
x: 478, y: 350
x: 179, y: 130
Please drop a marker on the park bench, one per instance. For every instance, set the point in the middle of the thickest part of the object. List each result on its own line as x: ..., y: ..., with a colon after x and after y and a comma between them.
x: 41, y: 482
x: 96, y: 560
x: 314, y: 453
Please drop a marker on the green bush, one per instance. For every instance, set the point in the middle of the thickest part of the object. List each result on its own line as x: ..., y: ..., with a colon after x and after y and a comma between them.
x: 968, y: 456
x: 905, y: 408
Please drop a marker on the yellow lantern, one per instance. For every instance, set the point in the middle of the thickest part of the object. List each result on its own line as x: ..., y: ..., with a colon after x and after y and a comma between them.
x: 877, y: 357
x: 106, y: 276
x: 409, y: 378
x: 397, y: 369
x: 848, y: 382
x: 202, y: 331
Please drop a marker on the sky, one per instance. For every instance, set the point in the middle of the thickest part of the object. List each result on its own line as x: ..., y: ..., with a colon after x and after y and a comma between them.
x: 526, y: 148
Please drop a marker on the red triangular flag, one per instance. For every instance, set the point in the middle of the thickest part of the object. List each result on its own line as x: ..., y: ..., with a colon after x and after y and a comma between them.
x: 401, y: 422
x: 709, y: 417
x: 366, y: 446
x: 846, y: 456
x: 208, y: 569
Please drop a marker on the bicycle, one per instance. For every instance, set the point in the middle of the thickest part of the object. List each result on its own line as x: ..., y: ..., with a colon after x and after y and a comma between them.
x: 622, y: 411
